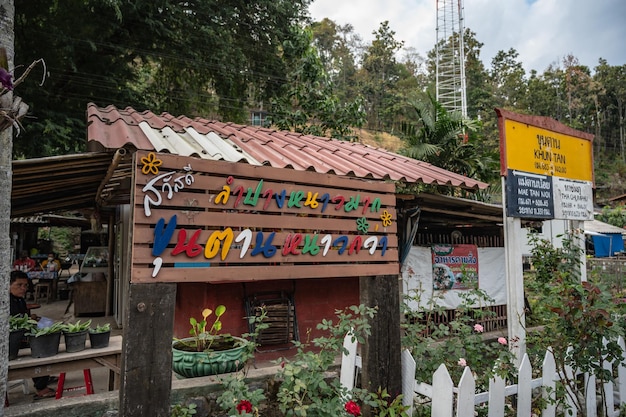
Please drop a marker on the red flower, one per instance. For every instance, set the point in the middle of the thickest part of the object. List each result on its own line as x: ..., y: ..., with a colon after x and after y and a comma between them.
x: 353, y: 408
x: 244, y: 406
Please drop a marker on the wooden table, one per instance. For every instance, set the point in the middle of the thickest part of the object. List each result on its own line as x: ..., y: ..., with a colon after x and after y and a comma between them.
x: 110, y: 357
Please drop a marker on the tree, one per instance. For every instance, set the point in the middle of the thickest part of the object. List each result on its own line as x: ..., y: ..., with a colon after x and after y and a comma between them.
x: 7, y: 11
x: 379, y: 75
x: 507, y: 79
x: 446, y: 140
x: 307, y: 104
x: 338, y: 48
x: 611, y: 110
x: 133, y: 54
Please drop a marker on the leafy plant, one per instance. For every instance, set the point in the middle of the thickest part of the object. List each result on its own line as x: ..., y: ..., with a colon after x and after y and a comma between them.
x: 304, y: 388
x: 21, y: 322
x: 203, y: 339
x: 237, y: 396
x: 76, y: 327
x: 383, y: 405
x: 578, y: 318
x: 180, y: 410
x: 54, y: 328
x: 103, y: 328
x: 458, y: 343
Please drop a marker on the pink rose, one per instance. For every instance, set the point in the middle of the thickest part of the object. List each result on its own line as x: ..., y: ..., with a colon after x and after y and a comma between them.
x: 502, y: 340
x: 462, y: 362
x: 478, y: 328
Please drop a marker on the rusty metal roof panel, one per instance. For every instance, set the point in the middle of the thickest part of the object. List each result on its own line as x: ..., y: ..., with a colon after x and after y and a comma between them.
x: 110, y: 128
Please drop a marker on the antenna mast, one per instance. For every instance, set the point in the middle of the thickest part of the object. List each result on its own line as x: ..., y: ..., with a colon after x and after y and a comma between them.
x: 451, y: 56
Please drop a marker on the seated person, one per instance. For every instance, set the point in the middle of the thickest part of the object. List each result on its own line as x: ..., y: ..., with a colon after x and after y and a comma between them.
x: 18, y: 286
x: 46, y: 264
x: 24, y: 262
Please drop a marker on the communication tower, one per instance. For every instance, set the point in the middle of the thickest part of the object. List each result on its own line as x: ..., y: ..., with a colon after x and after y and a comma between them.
x: 451, y: 56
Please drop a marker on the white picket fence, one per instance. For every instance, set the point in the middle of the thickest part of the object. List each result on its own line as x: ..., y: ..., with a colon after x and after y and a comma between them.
x: 461, y: 401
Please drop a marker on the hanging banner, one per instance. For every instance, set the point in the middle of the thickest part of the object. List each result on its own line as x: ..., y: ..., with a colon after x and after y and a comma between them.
x: 455, y: 267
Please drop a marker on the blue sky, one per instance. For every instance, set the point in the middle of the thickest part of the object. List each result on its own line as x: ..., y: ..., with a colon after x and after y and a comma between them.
x: 542, y: 31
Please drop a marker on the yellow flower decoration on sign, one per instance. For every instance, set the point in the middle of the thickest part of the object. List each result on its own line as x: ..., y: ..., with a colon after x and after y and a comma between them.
x: 386, y: 218
x: 150, y: 164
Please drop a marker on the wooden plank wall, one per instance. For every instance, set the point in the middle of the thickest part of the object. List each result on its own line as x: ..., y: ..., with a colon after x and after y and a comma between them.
x: 214, y: 203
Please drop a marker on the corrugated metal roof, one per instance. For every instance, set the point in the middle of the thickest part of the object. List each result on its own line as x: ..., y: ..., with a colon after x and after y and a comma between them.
x: 596, y: 226
x: 110, y: 128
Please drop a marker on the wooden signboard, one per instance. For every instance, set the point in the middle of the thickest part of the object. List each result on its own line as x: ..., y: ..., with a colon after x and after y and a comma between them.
x: 198, y: 220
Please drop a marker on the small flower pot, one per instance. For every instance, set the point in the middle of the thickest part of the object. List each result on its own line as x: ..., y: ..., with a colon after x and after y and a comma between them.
x: 99, y: 340
x: 15, y: 341
x: 45, y: 345
x: 75, y: 341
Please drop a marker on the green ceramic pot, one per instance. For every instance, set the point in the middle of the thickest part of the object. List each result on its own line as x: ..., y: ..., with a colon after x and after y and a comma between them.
x: 195, y: 364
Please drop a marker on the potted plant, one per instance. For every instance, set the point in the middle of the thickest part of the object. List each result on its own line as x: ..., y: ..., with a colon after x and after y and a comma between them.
x: 19, y: 325
x: 44, y: 341
x: 99, y: 336
x: 207, y: 352
x: 75, y: 335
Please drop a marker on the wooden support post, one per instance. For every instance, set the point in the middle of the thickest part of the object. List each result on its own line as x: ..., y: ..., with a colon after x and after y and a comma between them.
x: 147, y: 350
x: 381, y: 351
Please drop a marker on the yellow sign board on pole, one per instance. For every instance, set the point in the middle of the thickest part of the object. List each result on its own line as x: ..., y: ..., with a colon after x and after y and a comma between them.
x: 544, y: 146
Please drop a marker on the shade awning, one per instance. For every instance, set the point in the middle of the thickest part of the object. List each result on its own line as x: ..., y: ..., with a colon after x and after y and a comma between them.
x: 58, y: 183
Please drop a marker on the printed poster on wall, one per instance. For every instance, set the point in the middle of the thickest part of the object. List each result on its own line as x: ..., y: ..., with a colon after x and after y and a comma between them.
x: 455, y: 267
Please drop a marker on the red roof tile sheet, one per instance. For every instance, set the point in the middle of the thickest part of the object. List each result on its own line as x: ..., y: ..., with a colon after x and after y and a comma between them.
x: 110, y: 128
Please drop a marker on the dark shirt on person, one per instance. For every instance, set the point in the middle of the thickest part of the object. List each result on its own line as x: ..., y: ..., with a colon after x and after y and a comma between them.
x: 18, y: 306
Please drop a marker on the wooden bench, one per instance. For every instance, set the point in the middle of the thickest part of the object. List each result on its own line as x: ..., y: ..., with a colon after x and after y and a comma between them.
x: 25, y: 366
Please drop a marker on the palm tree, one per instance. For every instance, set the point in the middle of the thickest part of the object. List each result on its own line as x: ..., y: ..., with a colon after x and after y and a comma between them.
x: 446, y: 139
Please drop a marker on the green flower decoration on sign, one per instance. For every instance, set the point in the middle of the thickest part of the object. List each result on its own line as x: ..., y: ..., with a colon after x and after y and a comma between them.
x: 362, y: 225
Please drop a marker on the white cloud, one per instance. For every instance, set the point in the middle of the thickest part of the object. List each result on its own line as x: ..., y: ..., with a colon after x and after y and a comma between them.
x: 541, y: 31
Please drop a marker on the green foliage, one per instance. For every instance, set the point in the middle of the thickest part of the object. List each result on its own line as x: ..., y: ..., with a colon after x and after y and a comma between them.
x: 180, y: 410
x: 445, y: 139
x: 457, y: 344
x: 76, y: 327
x: 132, y: 55
x: 379, y: 77
x: 578, y: 318
x: 203, y: 339
x: 56, y: 327
x: 304, y: 388
x: 21, y: 322
x: 613, y: 215
x: 235, y: 386
x: 103, y: 328
x: 236, y: 390
x: 384, y: 405
x: 307, y: 103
